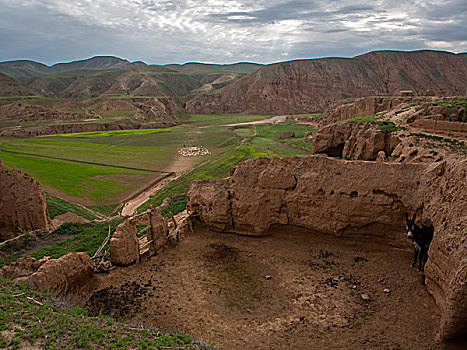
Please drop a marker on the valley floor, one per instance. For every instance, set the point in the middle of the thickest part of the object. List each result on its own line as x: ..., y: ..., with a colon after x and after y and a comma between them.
x: 291, y: 290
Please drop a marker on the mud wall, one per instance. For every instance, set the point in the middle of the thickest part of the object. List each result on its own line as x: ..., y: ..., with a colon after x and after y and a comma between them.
x: 124, y: 248
x: 22, y: 204
x: 356, y: 198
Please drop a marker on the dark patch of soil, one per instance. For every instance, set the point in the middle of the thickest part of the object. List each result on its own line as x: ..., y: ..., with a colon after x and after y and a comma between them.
x: 120, y: 303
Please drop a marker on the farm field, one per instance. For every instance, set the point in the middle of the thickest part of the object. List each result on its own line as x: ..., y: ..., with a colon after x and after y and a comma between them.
x: 102, y: 169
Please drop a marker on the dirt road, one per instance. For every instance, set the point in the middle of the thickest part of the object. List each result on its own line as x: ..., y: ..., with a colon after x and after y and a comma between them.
x: 273, y: 120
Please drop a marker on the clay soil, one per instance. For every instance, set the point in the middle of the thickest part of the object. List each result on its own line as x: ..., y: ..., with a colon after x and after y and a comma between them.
x: 291, y: 290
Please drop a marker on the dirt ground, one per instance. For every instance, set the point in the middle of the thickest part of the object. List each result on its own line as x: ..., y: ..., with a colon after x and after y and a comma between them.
x: 291, y: 290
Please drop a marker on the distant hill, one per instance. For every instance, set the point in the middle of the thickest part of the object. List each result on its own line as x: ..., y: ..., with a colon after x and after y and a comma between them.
x: 23, y: 70
x: 107, y: 75
x: 139, y: 81
x: 306, y: 86
x: 95, y: 63
x: 10, y: 87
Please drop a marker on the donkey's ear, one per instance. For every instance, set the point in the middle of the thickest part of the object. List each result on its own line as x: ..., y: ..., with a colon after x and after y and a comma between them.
x: 414, y: 215
x: 406, y: 216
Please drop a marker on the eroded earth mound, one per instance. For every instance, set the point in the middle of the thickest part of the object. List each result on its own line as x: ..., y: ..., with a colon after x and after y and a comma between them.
x: 22, y: 204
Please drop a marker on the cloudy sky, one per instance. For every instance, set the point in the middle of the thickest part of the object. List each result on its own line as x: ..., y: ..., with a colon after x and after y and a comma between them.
x: 225, y: 31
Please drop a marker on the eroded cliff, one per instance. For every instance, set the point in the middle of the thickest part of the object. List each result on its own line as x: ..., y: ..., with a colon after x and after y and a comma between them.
x: 22, y: 204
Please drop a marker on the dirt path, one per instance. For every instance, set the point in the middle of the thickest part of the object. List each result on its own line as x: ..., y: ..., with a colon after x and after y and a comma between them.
x: 178, y: 166
x: 292, y: 290
x: 273, y: 120
x: 130, y: 207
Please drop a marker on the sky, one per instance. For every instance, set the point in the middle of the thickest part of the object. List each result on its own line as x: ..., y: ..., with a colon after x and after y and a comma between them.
x: 225, y: 31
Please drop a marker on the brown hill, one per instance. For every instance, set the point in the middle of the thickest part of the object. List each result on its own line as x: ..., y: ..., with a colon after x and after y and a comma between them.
x: 10, y: 87
x: 307, y: 86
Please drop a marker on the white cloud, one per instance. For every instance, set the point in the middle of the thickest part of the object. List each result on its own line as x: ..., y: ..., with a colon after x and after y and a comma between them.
x: 161, y: 31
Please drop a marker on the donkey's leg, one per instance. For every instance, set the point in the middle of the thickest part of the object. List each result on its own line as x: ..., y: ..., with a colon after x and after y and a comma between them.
x: 415, y: 255
x: 421, y: 259
x: 425, y: 258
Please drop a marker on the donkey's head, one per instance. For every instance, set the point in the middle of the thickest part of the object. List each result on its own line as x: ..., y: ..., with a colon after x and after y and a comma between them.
x: 410, y: 225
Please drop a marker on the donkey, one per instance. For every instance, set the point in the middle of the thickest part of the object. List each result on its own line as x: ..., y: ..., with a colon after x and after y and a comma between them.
x: 421, y: 238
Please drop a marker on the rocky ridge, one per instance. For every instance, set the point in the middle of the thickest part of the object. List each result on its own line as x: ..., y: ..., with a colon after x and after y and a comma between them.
x: 308, y: 86
x: 86, y: 115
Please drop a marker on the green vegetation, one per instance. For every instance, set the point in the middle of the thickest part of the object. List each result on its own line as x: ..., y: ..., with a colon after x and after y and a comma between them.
x: 383, y: 125
x: 104, y: 209
x: 31, y: 320
x: 364, y: 119
x: 454, y: 106
x: 176, y: 206
x: 386, y: 126
x: 453, y: 144
x: 214, y: 169
x: 110, y: 133
x: 98, y: 183
x: 58, y: 206
x: 75, y: 237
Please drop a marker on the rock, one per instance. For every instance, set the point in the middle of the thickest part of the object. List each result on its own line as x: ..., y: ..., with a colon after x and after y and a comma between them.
x: 22, y: 267
x: 124, y: 249
x: 268, y: 277
x: 386, y: 290
x: 359, y: 107
x: 286, y: 135
x: 159, y: 228
x: 354, y: 141
x: 381, y: 156
x: 365, y: 297
x: 22, y: 204
x: 60, y: 276
x: 212, y: 200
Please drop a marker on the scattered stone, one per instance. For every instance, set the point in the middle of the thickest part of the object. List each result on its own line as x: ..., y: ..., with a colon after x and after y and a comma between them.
x: 387, y: 291
x: 268, y: 277
x: 193, y: 151
x: 365, y: 297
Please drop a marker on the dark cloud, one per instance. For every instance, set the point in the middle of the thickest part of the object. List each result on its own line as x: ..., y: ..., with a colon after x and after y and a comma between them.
x: 295, y: 9
x: 356, y: 8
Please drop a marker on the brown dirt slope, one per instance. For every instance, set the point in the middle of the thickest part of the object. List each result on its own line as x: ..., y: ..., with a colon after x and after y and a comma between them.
x: 310, y: 85
x: 10, y: 87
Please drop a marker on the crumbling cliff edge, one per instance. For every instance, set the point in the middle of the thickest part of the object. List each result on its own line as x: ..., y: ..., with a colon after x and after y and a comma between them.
x: 22, y: 204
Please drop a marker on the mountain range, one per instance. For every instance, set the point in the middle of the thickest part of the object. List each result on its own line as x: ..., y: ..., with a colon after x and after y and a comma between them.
x: 301, y: 86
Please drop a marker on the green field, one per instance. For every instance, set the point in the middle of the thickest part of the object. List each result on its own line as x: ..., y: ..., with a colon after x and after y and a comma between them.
x: 254, y: 142
x: 110, y: 133
x: 103, y: 168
